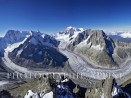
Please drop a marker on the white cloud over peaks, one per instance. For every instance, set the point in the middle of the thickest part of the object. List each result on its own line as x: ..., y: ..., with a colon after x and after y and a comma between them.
x: 126, y: 35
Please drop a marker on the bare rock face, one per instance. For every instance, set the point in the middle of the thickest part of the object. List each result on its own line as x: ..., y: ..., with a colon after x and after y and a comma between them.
x: 98, y: 37
x: 95, y: 92
x: 101, y: 90
x: 122, y: 51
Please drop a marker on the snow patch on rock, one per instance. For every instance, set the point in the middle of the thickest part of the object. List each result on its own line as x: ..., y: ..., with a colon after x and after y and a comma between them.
x: 31, y: 94
x: 48, y: 95
x: 19, y: 52
x: 3, y: 82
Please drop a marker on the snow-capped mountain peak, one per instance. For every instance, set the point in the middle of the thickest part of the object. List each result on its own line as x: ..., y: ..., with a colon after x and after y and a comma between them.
x: 69, y: 33
x: 38, y: 38
x: 80, y: 29
x: 13, y: 36
x: 70, y: 27
x: 72, y: 30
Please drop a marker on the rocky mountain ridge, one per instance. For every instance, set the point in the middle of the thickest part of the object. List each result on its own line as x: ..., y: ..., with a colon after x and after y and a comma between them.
x: 65, y: 88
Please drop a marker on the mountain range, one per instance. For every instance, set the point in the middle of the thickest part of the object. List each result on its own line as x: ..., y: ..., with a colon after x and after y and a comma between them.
x: 92, y: 53
x: 43, y: 50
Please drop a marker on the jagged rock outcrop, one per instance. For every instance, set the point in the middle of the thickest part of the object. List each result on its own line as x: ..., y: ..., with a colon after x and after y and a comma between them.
x: 106, y: 89
x: 38, y: 86
x: 5, y: 94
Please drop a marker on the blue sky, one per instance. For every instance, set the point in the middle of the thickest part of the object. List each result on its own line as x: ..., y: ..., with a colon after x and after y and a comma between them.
x: 55, y: 15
